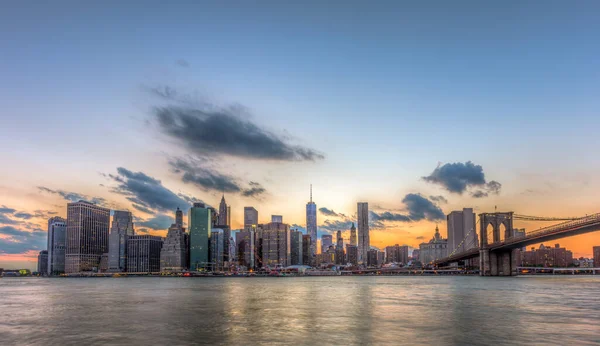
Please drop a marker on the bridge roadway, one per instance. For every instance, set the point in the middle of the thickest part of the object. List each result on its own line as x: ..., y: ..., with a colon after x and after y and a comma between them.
x: 579, y: 226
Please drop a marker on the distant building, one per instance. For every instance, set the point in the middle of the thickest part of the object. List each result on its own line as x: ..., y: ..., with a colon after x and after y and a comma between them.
x: 462, y: 234
x: 217, y: 249
x: 547, y: 256
x: 596, y: 256
x: 121, y: 228
x: 364, y: 243
x: 353, y: 239
x: 179, y: 217
x: 380, y: 258
x: 174, y: 251
x: 250, y: 217
x: 245, y: 248
x: 435, y: 249
x: 296, y: 248
x: 339, y: 244
x: 415, y: 255
x: 200, y: 226
x: 86, y: 237
x: 352, y: 254
x: 372, y: 257
x: 223, y: 219
x: 143, y: 253
x: 57, y: 231
x: 326, y: 242
x: 306, y: 250
x: 104, y: 263
x: 311, y: 224
x: 277, y: 218
x: 276, y: 245
x: 396, y: 254
x: 42, y: 267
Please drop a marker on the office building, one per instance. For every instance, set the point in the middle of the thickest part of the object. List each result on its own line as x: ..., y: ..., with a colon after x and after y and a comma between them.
x: 396, y: 254
x: 229, y: 216
x: 42, y: 264
x: 179, y: 217
x: 121, y: 228
x: 245, y: 248
x: 353, y: 239
x: 371, y: 256
x: 223, y: 219
x: 57, y: 231
x: 250, y: 217
x: 143, y: 253
x: 296, y: 247
x: 596, y: 251
x: 217, y: 249
x: 339, y: 244
x: 415, y: 255
x: 87, y: 236
x: 326, y: 242
x: 352, y: 254
x: 435, y: 249
x: 307, y: 257
x: 380, y: 258
x: 276, y: 245
x: 277, y: 218
x: 462, y: 234
x: 200, y: 219
x: 311, y: 223
x: 174, y: 251
x: 547, y: 256
x: 364, y: 243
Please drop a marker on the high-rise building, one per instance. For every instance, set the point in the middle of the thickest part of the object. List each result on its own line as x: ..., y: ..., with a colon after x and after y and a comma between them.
x: 87, y: 236
x: 433, y: 250
x: 276, y: 245
x: 229, y: 216
x: 223, y: 219
x: 311, y: 223
x: 296, y: 247
x: 596, y: 251
x: 277, y: 218
x: 352, y: 254
x: 179, y: 217
x: 306, y: 250
x: 57, y: 229
x: 245, y: 245
x: 174, y: 251
x: 353, y: 240
x: 415, y: 255
x: 143, y: 253
x: 364, y: 242
x: 200, y: 225
x: 462, y: 234
x: 326, y: 241
x: 371, y: 256
x: 121, y: 228
x: 396, y: 254
x: 547, y: 256
x: 380, y: 258
x: 250, y: 217
x: 217, y: 249
x: 42, y: 265
x: 339, y: 244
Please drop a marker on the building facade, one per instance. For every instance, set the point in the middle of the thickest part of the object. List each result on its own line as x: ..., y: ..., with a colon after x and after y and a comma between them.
x: 217, y: 249
x: 42, y: 264
x: 57, y: 231
x: 307, y: 258
x: 296, y: 248
x: 174, y: 251
x: 462, y: 234
x: 121, y: 228
x: 396, y: 254
x: 245, y: 248
x: 364, y: 243
x: 143, y: 253
x: 547, y: 256
x: 435, y: 249
x: 200, y: 220
x: 326, y: 242
x: 250, y: 217
x: 596, y: 251
x: 223, y: 219
x: 353, y: 239
x: 311, y: 223
x: 276, y: 245
x: 86, y: 237
x: 352, y: 254
x: 372, y: 257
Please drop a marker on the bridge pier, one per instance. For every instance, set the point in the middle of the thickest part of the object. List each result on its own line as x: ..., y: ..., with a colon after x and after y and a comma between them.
x: 493, y: 264
x: 498, y: 263
x: 484, y: 262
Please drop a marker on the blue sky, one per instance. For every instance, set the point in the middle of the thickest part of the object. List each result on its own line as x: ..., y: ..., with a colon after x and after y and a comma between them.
x: 385, y: 91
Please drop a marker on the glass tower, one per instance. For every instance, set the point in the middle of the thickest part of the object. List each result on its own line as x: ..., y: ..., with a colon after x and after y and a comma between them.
x: 200, y: 226
x: 311, y: 224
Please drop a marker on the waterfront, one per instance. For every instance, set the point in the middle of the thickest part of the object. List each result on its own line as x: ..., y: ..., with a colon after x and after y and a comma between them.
x: 303, y: 310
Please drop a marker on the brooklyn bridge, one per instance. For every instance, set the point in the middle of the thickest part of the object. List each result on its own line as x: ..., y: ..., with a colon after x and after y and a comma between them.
x: 499, y: 246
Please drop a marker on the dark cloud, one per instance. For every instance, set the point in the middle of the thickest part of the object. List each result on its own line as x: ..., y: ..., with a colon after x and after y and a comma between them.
x: 479, y: 194
x: 5, y: 220
x: 23, y: 215
x: 420, y: 237
x: 298, y: 228
x: 73, y: 196
x: 147, y: 192
x: 6, y: 210
x: 209, y: 131
x: 335, y: 225
x: 457, y: 177
x: 158, y: 222
x: 254, y: 190
x: 20, y: 241
x: 329, y: 212
x: 182, y: 63
x: 191, y: 200
x: 439, y: 199
x: 388, y: 216
x: 494, y: 187
x: 420, y: 208
x: 142, y: 208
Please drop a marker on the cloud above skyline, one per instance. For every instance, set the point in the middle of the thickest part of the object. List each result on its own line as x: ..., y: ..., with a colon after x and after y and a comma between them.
x: 458, y: 177
x: 73, y: 196
x: 16, y: 241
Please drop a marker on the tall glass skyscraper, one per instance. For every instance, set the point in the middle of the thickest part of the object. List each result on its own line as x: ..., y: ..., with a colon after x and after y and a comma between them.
x: 57, y: 229
x: 121, y: 228
x: 311, y: 224
x: 363, y: 232
x: 199, y: 225
x: 87, y: 236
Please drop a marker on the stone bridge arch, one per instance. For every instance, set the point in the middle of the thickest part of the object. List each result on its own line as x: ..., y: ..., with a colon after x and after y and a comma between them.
x: 496, y: 220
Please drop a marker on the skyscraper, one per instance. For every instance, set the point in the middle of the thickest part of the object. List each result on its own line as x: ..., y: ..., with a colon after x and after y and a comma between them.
x: 311, y: 223
x: 217, y: 249
x: 87, y: 236
x: 296, y: 247
x: 250, y: 217
x: 245, y: 245
x: 143, y: 253
x: 306, y: 250
x: 179, y: 217
x: 351, y: 254
x: 277, y: 218
x: 276, y: 247
x: 199, y: 225
x: 462, y: 235
x: 339, y: 243
x: 174, y: 251
x: 353, y: 240
x: 326, y: 242
x: 42, y: 267
x: 121, y: 228
x: 223, y: 212
x: 363, y: 232
x: 57, y: 229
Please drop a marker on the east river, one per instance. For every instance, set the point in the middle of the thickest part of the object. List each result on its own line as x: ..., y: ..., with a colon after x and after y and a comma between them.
x: 314, y: 311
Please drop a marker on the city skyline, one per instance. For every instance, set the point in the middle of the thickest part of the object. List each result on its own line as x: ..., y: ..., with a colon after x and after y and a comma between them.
x: 417, y: 113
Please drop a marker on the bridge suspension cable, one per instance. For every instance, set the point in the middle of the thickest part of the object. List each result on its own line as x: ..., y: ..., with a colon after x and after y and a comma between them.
x: 542, y: 218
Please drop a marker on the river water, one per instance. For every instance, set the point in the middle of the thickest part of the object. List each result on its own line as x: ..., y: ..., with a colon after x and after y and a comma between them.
x: 363, y: 310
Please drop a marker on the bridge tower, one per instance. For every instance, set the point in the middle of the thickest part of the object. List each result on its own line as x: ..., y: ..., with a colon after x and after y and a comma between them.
x: 496, y: 263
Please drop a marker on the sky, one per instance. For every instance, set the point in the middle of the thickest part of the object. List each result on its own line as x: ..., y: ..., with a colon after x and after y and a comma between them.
x: 417, y: 108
